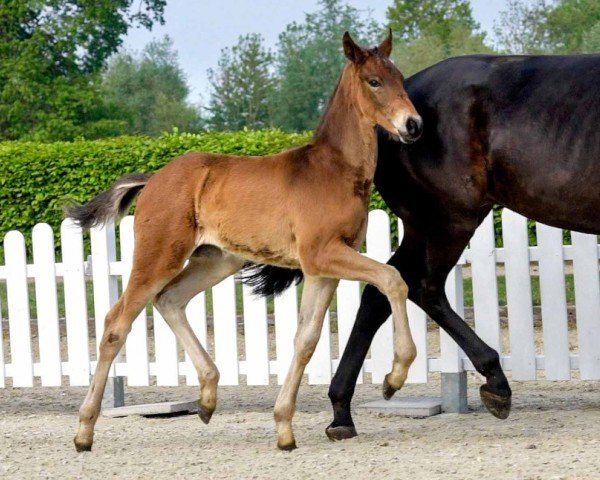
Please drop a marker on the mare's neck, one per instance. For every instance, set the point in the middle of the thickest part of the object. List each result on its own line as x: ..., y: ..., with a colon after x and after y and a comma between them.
x: 344, y: 128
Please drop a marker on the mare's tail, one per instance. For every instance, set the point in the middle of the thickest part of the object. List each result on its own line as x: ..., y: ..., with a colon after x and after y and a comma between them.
x: 269, y: 279
x: 110, y: 204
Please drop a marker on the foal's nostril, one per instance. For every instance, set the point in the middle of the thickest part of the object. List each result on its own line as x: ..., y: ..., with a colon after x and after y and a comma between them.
x: 414, y: 127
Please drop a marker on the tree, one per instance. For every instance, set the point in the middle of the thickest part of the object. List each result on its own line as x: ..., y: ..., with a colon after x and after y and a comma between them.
x: 429, y: 31
x: 242, y: 86
x: 521, y: 27
x: 309, y: 60
x: 148, y: 92
x: 571, y: 22
x: 411, y: 57
x: 410, y: 19
x: 591, y: 40
x: 50, y: 54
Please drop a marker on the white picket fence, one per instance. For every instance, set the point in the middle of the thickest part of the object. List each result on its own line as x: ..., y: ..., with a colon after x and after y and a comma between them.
x: 168, y: 366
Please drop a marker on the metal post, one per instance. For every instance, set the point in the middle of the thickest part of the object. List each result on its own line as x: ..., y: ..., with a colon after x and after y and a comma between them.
x: 454, y: 377
x: 454, y: 392
x: 114, y: 393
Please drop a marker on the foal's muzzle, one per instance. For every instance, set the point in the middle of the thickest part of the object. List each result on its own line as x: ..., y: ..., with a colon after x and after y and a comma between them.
x: 410, y: 127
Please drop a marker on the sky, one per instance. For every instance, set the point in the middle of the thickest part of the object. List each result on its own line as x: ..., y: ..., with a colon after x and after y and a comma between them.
x: 201, y: 28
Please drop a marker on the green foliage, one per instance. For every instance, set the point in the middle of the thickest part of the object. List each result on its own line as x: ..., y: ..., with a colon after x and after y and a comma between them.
x: 591, y: 40
x: 310, y: 58
x: 521, y: 28
x: 430, y: 31
x: 549, y: 26
x: 50, y: 54
x: 412, y: 57
x: 146, y: 94
x: 242, y: 86
x: 411, y: 19
x: 569, y: 22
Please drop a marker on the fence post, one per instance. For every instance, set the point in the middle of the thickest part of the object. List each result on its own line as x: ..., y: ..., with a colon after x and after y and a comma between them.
x: 105, y: 296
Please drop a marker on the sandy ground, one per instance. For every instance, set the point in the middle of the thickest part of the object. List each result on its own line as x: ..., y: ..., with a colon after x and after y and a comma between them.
x: 553, y: 432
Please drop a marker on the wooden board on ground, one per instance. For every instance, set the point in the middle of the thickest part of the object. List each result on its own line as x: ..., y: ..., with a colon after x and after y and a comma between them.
x: 406, y: 406
x: 150, y: 409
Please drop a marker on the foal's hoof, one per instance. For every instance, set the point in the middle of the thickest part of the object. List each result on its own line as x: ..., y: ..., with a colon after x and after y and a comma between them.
x: 341, y: 432
x: 497, y: 405
x: 82, y: 446
x: 388, y: 390
x: 287, y: 447
x: 205, y: 414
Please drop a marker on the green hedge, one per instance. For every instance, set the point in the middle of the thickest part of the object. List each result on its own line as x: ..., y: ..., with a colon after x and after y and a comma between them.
x: 37, y: 178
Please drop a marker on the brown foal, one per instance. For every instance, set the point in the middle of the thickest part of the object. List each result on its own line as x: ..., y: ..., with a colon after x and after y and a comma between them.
x: 303, y: 208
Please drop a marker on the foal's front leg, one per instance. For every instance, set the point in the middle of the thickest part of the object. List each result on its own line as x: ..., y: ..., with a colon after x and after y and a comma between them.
x: 316, y: 297
x: 341, y: 261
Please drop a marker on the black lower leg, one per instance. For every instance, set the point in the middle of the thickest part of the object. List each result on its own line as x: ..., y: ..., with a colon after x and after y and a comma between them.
x: 496, y: 393
x: 373, y: 312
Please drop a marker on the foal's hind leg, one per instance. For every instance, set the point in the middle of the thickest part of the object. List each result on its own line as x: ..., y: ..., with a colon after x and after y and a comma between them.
x: 116, y: 327
x: 205, y: 269
x: 150, y: 273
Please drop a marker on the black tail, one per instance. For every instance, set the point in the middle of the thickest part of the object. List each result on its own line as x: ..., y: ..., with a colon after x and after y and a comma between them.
x: 110, y: 204
x: 268, y: 279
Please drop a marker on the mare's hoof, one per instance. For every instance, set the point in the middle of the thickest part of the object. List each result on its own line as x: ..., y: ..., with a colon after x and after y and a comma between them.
x: 341, y: 432
x: 497, y: 405
x: 82, y: 446
x: 388, y: 390
x: 205, y: 414
x: 288, y: 447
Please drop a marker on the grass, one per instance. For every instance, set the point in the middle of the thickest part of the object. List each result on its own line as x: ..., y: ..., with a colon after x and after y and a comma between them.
x: 535, y: 290
x: 467, y: 286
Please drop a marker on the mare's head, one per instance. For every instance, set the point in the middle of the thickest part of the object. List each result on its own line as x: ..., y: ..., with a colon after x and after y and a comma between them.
x: 381, y: 95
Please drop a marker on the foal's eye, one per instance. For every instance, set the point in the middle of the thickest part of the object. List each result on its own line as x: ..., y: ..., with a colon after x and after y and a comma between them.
x: 374, y: 83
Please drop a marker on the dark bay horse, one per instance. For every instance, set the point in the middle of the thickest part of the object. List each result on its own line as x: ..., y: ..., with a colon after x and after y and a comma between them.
x: 519, y: 131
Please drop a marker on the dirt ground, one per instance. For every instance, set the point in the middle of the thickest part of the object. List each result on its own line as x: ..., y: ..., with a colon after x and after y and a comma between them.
x: 552, y: 433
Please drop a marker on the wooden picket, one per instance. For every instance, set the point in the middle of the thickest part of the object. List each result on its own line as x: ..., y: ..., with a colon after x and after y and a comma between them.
x: 105, y: 285
x: 104, y: 271
x: 225, y: 329
x: 18, y: 310
x: 450, y: 354
x: 587, y: 303
x: 554, y: 303
x: 136, y: 346
x: 319, y: 368
x: 417, y: 319
x: 256, y: 338
x: 75, y: 303
x: 518, y: 296
x: 485, y: 286
x: 46, y: 305
x: 348, y: 300
x: 196, y: 315
x: 378, y: 248
x: 286, y: 323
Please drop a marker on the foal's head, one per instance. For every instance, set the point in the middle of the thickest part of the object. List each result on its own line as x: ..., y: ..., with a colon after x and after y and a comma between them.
x: 381, y: 95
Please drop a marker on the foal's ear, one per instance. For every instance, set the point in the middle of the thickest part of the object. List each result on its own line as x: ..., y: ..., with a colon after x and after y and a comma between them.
x: 385, y: 47
x: 353, y: 52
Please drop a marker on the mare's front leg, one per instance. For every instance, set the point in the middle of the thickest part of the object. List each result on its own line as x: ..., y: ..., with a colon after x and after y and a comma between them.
x: 316, y: 297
